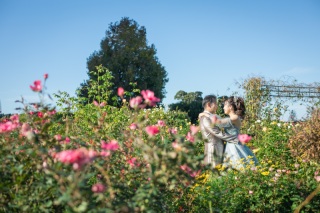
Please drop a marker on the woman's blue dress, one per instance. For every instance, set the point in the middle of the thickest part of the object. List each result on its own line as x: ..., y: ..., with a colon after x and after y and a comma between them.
x: 237, y: 156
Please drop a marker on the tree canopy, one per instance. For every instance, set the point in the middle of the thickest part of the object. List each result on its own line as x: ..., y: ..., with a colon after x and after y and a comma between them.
x: 189, y: 102
x: 126, y: 54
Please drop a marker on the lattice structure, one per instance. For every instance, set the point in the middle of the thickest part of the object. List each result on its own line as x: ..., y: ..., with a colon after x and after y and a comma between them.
x: 289, y: 91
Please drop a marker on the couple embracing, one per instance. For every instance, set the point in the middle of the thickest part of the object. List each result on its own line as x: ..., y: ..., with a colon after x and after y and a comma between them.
x: 234, y: 154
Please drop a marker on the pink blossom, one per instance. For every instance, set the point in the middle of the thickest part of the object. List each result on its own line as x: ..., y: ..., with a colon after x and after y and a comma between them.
x: 175, y: 145
x: 174, y: 130
x: 190, y: 137
x: 317, y: 178
x: 120, y: 91
x: 25, y: 130
x: 195, y: 173
x: 244, y: 138
x: 40, y: 114
x: 7, y: 126
x: 250, y: 192
x: 105, y: 153
x: 76, y: 157
x: 149, y: 97
x: 133, y: 126
x: 194, y: 129
x: 161, y: 123
x: 112, y: 145
x: 67, y: 140
x: 132, y: 162
x: 99, y: 105
x: 297, y: 165
x: 316, y: 172
x: 15, y: 118
x: 189, y: 171
x: 36, y: 87
x: 135, y: 102
x: 52, y: 112
x: 57, y: 137
x: 152, y: 130
x: 45, y: 76
x: 185, y: 168
x: 98, y: 188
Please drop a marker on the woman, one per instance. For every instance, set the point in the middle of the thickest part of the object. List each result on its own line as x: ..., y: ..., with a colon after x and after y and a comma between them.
x: 237, y: 155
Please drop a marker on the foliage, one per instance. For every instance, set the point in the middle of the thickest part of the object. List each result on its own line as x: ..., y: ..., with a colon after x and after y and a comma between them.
x: 101, y: 158
x: 189, y: 102
x: 305, y: 142
x: 126, y: 53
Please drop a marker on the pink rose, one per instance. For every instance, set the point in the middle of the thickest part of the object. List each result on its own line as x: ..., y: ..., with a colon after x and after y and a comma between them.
x: 135, y: 102
x: 36, y: 87
x: 149, y: 97
x: 152, y: 130
x: 161, y: 123
x: 98, y: 188
x: 120, y: 91
x: 244, y: 138
x: 133, y: 126
x: 112, y: 145
x: 190, y: 137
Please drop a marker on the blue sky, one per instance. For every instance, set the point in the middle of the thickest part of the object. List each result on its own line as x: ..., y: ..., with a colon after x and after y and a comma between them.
x: 204, y: 45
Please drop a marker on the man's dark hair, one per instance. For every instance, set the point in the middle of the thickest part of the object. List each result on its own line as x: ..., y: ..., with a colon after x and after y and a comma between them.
x: 209, y: 99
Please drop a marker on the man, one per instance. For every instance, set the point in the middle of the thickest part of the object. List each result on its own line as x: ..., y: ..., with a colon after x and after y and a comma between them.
x: 214, y: 145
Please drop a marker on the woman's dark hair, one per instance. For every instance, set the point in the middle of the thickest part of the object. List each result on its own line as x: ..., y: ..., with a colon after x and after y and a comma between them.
x: 238, y: 106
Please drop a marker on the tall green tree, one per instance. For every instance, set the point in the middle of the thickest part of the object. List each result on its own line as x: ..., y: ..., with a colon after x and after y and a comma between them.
x: 126, y: 54
x: 189, y: 102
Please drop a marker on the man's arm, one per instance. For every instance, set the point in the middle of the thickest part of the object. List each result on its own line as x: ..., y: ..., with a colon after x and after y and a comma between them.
x: 206, y: 122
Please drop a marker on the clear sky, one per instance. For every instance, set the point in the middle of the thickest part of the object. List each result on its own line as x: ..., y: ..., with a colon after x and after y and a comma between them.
x: 204, y: 45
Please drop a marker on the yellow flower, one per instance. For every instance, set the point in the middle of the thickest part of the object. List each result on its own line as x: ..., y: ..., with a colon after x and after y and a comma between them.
x: 265, y: 173
x: 255, y: 150
x: 269, y: 161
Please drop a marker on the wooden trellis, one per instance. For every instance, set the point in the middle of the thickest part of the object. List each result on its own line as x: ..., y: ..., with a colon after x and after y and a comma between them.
x: 289, y: 91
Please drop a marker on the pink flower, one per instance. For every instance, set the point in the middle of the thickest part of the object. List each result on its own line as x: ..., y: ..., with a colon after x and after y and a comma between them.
x: 45, y: 76
x: 120, y: 91
x: 105, y: 153
x: 76, y: 157
x: 40, y: 114
x: 161, y: 123
x: 194, y: 129
x: 250, y: 192
x: 52, y: 112
x: 135, y: 102
x: 244, y: 138
x: 133, y: 126
x: 15, y: 118
x: 152, y: 130
x: 316, y: 172
x: 317, y: 178
x: 190, y: 137
x: 98, y: 188
x: 7, y: 126
x: 132, y: 162
x: 36, y: 87
x: 67, y: 140
x: 112, y: 145
x: 174, y: 130
x: 297, y: 165
x: 99, y: 105
x: 189, y: 171
x: 149, y: 97
x: 57, y: 137
x: 26, y: 130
